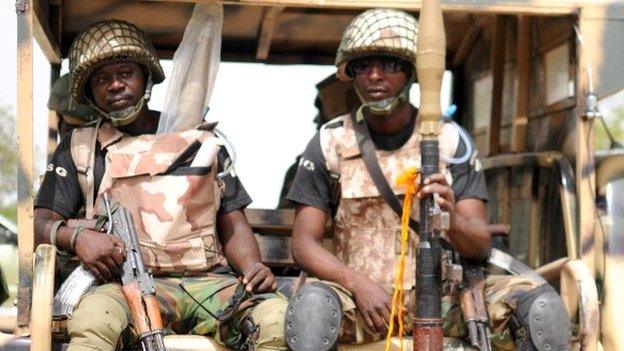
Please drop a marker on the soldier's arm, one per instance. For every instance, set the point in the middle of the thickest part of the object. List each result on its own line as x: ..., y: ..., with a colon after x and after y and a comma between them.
x: 371, y: 299
x: 469, y: 233
x: 242, y: 251
x: 44, y: 220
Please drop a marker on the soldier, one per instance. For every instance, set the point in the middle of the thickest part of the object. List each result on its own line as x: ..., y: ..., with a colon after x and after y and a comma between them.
x: 377, y: 53
x: 190, y: 221
x: 71, y: 113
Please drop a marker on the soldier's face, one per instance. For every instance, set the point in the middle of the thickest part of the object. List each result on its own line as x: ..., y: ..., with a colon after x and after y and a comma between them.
x: 379, y: 78
x: 117, y: 86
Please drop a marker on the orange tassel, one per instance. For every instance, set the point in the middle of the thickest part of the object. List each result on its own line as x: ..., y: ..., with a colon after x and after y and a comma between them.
x: 408, y: 179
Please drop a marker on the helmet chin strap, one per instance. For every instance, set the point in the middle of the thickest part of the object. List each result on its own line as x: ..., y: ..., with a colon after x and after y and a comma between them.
x: 129, y: 114
x: 382, y: 107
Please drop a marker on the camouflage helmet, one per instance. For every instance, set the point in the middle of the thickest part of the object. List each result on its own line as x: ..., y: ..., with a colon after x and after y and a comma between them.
x: 61, y: 102
x: 378, y: 32
x: 107, y: 42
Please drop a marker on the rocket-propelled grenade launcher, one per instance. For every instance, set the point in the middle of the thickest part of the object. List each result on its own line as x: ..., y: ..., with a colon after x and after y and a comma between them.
x: 430, y: 64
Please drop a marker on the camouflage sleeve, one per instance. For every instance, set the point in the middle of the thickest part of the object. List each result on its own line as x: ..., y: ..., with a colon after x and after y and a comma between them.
x: 235, y: 196
x: 60, y: 191
x: 468, y: 177
x: 312, y: 183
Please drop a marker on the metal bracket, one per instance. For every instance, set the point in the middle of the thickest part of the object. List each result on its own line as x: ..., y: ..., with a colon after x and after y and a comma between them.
x: 21, y: 6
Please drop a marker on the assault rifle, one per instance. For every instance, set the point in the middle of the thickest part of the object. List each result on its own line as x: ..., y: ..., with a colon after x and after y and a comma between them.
x: 138, y: 285
x: 473, y: 306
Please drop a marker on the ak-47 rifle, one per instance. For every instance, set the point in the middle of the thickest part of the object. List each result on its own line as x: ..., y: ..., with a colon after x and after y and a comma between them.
x: 138, y: 285
x: 473, y: 306
x: 430, y: 57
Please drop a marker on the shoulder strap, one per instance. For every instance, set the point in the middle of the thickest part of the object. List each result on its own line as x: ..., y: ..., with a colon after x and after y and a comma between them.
x: 332, y: 161
x: 367, y: 149
x: 83, y: 153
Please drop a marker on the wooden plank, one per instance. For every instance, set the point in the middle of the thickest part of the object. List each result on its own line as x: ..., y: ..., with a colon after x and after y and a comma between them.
x: 585, y: 167
x: 497, y: 63
x: 266, y: 31
x: 523, y: 68
x: 468, y: 41
x: 537, y: 203
x: 25, y: 23
x: 53, y: 116
x: 277, y: 222
x: 516, y: 7
x: 275, y: 250
x: 43, y: 34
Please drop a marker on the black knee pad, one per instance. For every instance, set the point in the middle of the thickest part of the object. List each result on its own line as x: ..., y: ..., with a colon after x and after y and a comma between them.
x: 540, y: 321
x: 313, y: 318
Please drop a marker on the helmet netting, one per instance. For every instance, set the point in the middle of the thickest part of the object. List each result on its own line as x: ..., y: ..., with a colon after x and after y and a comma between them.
x: 107, y: 42
x: 378, y: 31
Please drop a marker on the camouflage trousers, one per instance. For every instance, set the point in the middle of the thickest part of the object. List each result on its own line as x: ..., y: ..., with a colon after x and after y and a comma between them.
x: 501, y: 293
x: 102, y: 320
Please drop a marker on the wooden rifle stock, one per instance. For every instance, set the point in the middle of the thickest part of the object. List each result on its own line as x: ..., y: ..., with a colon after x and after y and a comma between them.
x: 137, y: 284
x: 473, y: 306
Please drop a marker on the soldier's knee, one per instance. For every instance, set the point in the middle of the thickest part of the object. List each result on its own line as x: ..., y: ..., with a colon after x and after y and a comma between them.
x: 268, y: 317
x: 540, y: 321
x: 97, y: 323
x: 313, y: 318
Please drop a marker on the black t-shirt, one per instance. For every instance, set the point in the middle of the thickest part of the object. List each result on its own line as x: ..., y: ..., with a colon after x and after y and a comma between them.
x: 60, y: 190
x: 312, y: 185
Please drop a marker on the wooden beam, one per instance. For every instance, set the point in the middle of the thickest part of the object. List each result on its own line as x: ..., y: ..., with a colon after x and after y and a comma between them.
x: 25, y: 225
x: 53, y: 116
x: 511, y: 7
x: 468, y: 41
x: 523, y: 68
x: 497, y: 64
x: 266, y: 31
x: 43, y: 34
x: 585, y: 162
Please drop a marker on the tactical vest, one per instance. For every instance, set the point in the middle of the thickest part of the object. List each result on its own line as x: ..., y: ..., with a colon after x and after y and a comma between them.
x: 174, y: 210
x: 366, y: 230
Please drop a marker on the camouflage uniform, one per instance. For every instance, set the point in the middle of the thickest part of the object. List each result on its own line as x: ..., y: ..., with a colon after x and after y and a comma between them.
x: 112, y: 328
x: 367, y: 235
x: 174, y: 213
x: 174, y: 207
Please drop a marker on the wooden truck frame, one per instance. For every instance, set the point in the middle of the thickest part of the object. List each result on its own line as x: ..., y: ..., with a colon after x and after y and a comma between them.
x: 524, y: 75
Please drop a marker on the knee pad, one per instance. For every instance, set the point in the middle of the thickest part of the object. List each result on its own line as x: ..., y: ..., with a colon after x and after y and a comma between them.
x: 313, y: 318
x: 540, y: 321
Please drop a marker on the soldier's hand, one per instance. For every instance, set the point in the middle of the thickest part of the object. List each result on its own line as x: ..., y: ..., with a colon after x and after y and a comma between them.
x: 372, y: 301
x: 437, y: 183
x: 259, y: 279
x: 101, y: 253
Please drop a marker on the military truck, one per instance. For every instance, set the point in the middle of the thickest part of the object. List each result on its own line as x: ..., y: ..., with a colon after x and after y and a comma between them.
x: 526, y: 77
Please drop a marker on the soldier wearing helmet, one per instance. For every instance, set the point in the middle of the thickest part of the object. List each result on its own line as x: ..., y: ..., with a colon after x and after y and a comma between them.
x: 189, y: 218
x: 377, y: 54
x: 71, y: 114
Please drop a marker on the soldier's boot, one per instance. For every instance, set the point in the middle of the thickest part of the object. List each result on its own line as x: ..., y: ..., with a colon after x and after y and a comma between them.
x: 313, y: 318
x: 540, y: 321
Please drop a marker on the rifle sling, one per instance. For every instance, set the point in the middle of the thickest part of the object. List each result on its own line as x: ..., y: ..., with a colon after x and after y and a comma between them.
x: 367, y: 149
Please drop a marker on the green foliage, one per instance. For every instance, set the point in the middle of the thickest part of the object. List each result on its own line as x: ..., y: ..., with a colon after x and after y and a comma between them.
x: 8, y: 164
x: 615, y: 123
